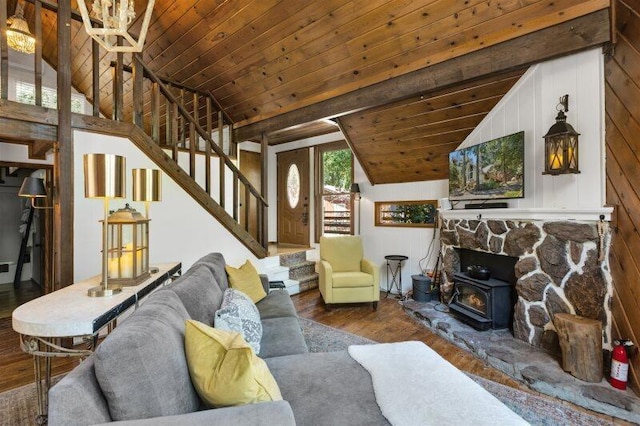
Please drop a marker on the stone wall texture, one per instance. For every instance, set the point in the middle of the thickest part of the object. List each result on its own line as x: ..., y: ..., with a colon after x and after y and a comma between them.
x: 562, y: 267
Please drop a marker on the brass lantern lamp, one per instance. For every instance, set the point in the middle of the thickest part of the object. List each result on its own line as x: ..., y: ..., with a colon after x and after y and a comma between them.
x: 561, y: 144
x: 104, y: 178
x: 128, y: 247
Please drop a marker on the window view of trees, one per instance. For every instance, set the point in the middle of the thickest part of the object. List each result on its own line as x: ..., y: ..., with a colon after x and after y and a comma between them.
x: 26, y: 94
x: 336, y: 199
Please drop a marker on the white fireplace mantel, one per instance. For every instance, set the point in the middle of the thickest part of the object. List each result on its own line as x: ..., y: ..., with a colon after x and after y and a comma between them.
x: 530, y: 214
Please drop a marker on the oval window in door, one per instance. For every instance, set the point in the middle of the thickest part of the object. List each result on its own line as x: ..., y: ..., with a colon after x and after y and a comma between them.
x: 293, y: 186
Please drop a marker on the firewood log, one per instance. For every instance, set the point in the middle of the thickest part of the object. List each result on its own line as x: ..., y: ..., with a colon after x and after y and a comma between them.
x: 581, y: 345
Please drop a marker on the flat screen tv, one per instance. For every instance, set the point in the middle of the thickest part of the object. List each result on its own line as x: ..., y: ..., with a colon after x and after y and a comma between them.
x: 488, y: 171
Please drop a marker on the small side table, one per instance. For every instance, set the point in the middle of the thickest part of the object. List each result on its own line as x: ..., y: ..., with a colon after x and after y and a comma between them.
x: 394, y: 265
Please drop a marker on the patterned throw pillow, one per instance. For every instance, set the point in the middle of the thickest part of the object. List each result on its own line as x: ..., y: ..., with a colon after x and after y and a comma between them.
x: 238, y: 313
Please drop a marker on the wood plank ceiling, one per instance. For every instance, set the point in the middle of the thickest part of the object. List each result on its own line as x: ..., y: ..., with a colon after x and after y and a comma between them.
x: 264, y: 59
x: 411, y: 140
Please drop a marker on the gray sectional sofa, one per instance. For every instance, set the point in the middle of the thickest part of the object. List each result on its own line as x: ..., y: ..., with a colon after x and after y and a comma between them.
x: 138, y: 375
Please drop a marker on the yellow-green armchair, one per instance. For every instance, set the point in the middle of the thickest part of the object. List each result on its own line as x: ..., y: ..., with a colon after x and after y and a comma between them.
x: 345, y: 276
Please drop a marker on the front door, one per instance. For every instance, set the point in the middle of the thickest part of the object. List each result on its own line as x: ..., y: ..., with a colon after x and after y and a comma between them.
x: 293, y: 197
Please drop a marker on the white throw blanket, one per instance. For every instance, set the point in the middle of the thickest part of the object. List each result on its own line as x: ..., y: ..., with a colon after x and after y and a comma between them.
x: 416, y: 386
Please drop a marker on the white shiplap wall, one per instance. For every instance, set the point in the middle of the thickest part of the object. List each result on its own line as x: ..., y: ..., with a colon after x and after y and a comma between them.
x: 180, y: 229
x: 531, y: 106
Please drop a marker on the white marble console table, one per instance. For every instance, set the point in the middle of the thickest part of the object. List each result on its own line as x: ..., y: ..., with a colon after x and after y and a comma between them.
x: 67, y: 313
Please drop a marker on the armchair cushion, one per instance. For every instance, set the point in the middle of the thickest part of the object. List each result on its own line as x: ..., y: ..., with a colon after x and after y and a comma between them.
x: 344, y: 253
x: 352, y: 279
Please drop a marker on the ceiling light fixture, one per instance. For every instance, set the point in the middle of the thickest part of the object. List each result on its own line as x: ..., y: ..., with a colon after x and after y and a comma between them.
x: 116, y: 16
x: 19, y: 38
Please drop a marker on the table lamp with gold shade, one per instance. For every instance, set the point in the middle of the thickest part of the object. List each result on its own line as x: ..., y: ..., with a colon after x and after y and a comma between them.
x: 104, y: 177
x: 147, y: 187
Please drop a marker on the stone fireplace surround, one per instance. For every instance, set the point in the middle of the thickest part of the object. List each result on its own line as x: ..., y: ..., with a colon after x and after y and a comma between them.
x: 562, y: 267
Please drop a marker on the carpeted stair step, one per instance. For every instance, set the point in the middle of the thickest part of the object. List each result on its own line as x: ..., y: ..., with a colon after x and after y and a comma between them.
x: 289, y: 259
x: 309, y: 282
x: 302, y: 269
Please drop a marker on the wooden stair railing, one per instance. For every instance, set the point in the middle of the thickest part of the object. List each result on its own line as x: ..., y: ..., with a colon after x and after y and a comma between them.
x: 185, y: 129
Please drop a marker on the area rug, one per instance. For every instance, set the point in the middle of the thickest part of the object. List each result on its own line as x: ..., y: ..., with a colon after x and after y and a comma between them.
x: 18, y: 406
x: 537, y: 410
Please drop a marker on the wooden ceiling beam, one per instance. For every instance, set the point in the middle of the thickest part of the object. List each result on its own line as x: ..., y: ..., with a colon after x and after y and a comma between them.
x: 27, y: 131
x: 469, y: 92
x: 563, y: 39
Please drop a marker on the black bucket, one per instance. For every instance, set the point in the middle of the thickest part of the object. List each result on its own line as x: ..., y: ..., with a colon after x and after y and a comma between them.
x: 421, y: 288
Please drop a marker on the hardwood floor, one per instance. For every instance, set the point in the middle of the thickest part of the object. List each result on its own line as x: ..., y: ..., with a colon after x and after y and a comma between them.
x: 11, y: 298
x: 16, y: 367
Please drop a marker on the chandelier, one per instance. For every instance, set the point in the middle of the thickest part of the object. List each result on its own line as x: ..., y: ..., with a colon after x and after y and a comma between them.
x: 115, y: 16
x: 19, y: 37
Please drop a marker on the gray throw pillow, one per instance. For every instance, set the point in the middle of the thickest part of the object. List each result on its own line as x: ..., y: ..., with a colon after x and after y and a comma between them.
x: 141, y: 366
x: 239, y: 313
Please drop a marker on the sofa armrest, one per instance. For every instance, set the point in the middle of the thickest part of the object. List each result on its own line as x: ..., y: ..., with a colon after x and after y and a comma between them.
x: 262, y: 414
x: 264, y: 279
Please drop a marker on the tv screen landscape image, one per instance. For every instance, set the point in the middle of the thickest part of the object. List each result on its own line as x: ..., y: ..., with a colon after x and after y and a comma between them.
x: 488, y: 171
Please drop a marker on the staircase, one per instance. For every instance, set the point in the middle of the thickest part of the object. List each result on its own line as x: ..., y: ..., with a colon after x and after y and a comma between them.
x: 297, y: 273
x: 182, y: 129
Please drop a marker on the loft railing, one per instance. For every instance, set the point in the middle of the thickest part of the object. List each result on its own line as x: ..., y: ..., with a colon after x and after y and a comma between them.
x: 179, y: 119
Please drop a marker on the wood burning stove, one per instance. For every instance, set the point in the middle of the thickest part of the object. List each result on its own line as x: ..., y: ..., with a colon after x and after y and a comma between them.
x: 483, y: 304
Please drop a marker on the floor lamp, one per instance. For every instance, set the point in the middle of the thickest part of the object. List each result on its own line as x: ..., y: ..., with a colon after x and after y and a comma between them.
x: 355, y: 190
x: 34, y: 188
x: 104, y: 177
x: 147, y: 187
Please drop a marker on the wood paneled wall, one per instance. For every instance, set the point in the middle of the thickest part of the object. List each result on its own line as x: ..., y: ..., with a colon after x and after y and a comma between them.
x: 622, y: 99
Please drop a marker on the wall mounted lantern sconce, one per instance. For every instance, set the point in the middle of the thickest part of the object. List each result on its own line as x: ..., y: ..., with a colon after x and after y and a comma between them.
x: 19, y: 38
x: 33, y: 188
x: 355, y: 191
x: 115, y: 17
x: 104, y: 177
x: 561, y: 144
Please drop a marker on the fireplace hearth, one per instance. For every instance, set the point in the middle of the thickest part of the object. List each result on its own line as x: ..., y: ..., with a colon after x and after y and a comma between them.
x: 555, y: 266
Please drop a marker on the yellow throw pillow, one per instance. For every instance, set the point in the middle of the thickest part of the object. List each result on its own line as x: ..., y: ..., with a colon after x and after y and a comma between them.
x: 247, y: 280
x: 224, y: 369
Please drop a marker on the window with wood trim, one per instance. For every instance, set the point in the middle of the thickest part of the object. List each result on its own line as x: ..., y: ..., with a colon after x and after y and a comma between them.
x: 26, y: 94
x: 334, y: 203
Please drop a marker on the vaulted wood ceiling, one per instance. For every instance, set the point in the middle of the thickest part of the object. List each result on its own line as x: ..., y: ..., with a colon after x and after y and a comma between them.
x: 420, y: 64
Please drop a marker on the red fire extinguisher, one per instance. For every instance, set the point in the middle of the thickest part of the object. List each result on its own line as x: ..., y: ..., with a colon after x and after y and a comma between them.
x: 619, y: 366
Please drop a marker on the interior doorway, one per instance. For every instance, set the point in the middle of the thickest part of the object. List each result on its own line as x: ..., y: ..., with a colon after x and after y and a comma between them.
x: 293, y: 197
x: 24, y: 239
